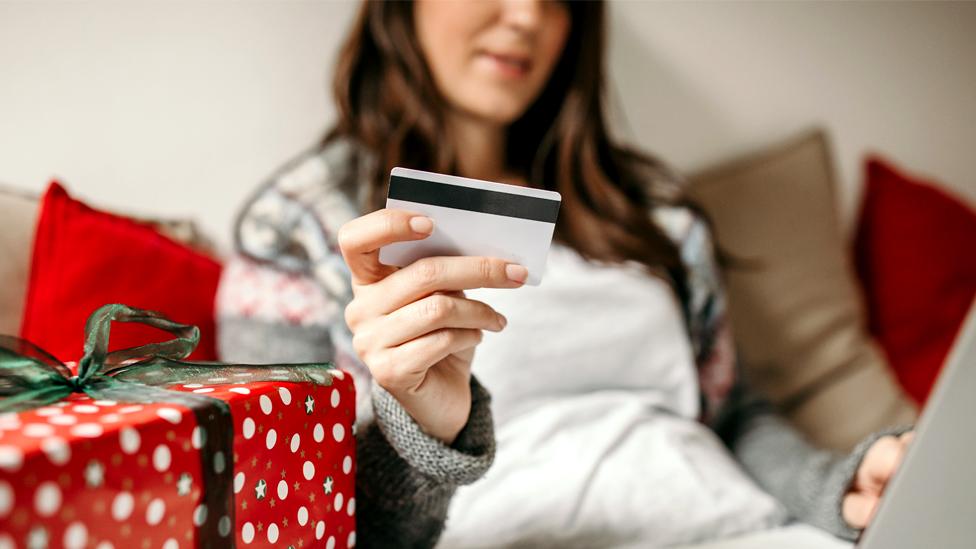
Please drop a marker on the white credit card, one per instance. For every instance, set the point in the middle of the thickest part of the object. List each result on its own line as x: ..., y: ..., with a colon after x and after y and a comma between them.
x: 474, y: 218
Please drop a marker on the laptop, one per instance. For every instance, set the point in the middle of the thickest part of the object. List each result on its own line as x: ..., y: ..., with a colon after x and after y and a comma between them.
x: 931, y: 501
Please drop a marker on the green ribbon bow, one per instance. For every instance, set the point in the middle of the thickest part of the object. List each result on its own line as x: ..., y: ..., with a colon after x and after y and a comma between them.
x: 31, y: 377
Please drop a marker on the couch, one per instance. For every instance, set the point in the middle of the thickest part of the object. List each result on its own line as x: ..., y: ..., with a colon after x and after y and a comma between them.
x: 797, y: 312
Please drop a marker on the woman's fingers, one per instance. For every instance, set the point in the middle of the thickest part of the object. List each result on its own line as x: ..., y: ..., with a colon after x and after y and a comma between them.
x: 426, y: 315
x: 465, y: 356
x: 360, y: 240
x: 413, y: 327
x: 875, y: 472
x: 440, y: 274
x: 404, y: 367
x: 906, y: 439
x: 859, y: 509
x: 879, y: 464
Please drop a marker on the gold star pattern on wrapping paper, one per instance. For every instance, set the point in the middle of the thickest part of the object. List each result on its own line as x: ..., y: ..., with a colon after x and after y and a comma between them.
x: 260, y: 489
x: 184, y: 485
x: 327, y: 485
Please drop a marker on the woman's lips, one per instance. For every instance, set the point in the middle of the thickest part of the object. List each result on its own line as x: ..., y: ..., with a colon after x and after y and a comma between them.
x: 513, y: 66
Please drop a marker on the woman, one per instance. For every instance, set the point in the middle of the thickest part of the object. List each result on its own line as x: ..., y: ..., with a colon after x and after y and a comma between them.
x: 610, y: 380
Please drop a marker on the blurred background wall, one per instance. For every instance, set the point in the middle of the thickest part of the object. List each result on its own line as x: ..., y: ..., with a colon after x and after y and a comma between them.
x: 175, y: 108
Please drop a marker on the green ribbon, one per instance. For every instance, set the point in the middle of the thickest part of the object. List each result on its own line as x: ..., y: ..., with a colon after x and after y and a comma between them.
x: 31, y: 377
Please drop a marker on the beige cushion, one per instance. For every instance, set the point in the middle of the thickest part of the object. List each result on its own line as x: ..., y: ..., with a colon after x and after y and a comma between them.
x: 796, y: 309
x: 18, y: 213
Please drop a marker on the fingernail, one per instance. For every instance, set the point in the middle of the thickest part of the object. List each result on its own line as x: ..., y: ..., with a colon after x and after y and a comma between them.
x: 421, y: 224
x: 516, y: 273
x: 502, y: 322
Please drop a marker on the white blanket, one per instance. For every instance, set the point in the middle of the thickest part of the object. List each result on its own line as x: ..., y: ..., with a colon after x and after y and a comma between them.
x: 794, y: 536
x: 595, y: 396
x: 598, y: 471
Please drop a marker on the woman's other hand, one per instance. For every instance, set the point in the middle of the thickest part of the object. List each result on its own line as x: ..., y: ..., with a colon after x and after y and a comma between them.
x: 412, y: 326
x: 878, y: 466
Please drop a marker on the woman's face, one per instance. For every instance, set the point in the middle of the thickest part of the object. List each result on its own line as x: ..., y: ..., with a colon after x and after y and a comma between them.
x: 491, y: 58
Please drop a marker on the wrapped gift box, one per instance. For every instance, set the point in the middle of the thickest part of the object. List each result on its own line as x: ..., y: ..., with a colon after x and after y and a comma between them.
x: 133, y: 473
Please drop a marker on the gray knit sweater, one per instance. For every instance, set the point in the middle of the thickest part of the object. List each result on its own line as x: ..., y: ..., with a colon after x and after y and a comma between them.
x: 405, y: 478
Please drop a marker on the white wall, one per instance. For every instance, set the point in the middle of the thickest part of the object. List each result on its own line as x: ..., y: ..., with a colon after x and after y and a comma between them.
x: 703, y: 81
x: 181, y: 108
x: 162, y: 107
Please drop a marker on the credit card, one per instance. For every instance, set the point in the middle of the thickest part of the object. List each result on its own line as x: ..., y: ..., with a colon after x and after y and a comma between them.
x: 474, y: 218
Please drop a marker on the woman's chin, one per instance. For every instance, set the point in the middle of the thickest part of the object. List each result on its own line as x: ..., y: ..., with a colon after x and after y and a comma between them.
x: 498, y: 112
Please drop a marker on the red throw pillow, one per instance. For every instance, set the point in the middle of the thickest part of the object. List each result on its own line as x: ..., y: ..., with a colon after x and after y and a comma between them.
x: 84, y: 258
x: 914, y: 253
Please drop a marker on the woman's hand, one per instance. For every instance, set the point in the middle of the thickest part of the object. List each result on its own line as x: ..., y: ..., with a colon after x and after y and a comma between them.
x: 876, y: 469
x: 413, y: 327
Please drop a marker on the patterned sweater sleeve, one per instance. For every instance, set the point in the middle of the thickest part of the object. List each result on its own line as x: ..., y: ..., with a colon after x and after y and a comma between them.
x: 810, y: 482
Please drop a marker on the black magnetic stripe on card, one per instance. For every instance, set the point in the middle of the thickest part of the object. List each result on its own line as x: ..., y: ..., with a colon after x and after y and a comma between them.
x: 446, y: 195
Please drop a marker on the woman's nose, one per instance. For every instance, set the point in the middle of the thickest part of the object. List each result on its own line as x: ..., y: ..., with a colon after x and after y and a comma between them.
x: 524, y: 15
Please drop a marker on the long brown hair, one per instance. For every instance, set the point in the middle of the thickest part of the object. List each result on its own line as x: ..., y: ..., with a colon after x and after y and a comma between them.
x: 388, y: 103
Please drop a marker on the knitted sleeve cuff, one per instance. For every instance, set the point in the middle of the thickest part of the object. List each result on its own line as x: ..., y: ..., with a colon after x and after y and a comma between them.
x: 463, y: 462
x: 838, y: 480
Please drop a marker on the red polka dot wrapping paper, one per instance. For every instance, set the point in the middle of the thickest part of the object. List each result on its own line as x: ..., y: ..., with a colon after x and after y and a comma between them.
x: 103, y: 474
